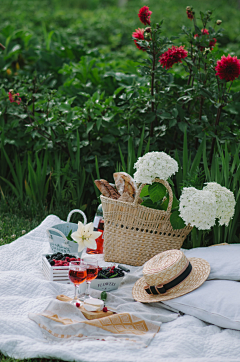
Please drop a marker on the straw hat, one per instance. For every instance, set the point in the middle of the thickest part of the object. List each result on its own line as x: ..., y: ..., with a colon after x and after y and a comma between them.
x: 169, y: 275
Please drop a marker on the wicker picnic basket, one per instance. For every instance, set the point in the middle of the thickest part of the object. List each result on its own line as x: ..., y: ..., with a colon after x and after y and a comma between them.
x: 133, y: 233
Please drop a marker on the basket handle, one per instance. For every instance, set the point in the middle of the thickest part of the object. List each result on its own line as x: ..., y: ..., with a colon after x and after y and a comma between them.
x: 80, y: 212
x: 165, y: 183
x: 57, y: 231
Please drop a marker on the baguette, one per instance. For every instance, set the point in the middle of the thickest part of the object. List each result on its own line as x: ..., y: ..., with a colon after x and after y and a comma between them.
x: 125, y: 183
x: 106, y: 189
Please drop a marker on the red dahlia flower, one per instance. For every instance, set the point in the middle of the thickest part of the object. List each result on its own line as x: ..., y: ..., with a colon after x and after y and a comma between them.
x: 228, y: 68
x: 138, y: 34
x: 173, y: 55
x: 144, y: 15
x: 212, y: 42
x: 14, y: 98
x: 190, y: 14
x: 10, y: 96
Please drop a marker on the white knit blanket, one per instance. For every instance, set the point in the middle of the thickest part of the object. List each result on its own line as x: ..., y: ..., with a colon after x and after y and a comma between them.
x: 24, y: 290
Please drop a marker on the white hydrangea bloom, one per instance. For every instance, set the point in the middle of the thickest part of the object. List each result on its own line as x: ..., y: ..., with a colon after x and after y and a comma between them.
x: 225, y: 202
x: 198, y: 208
x: 152, y: 165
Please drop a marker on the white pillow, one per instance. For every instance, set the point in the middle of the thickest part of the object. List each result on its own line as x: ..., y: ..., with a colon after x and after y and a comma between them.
x: 223, y: 259
x: 215, y: 302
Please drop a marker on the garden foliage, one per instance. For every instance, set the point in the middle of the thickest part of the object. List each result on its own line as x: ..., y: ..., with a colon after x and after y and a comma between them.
x: 80, y: 98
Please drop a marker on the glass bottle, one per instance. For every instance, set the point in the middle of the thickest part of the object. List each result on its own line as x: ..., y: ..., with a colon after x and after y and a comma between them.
x: 98, y: 225
x: 98, y: 216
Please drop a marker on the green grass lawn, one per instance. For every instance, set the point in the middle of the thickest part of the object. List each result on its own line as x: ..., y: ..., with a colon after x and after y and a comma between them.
x: 9, y: 359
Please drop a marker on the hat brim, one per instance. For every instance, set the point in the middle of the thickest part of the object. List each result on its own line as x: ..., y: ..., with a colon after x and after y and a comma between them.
x: 199, y: 274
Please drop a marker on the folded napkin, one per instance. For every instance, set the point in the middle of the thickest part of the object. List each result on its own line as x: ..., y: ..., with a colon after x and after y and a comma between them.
x: 62, y: 322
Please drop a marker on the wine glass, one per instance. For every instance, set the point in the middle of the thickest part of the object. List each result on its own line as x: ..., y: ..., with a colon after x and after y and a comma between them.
x: 77, y: 275
x: 92, y: 272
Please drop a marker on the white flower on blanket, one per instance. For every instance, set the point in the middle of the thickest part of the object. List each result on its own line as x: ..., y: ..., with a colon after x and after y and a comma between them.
x: 85, y: 236
x: 154, y: 165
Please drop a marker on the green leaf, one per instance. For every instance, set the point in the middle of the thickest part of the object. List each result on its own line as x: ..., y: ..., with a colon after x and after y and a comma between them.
x: 69, y: 235
x: 172, y: 122
x: 176, y: 221
x: 108, y: 139
x: 108, y: 119
x: 89, y: 126
x: 156, y: 191
x: 149, y: 203
x: 104, y: 296
x: 236, y: 97
x: 98, y: 123
x: 144, y: 191
x: 182, y: 126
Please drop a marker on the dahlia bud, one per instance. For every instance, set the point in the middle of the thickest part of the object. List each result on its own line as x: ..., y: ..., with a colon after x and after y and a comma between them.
x: 207, y: 50
x: 148, y: 33
x: 148, y: 29
x: 190, y: 12
x: 219, y: 22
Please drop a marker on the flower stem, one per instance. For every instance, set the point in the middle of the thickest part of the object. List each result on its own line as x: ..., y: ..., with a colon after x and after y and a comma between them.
x: 214, y: 138
x: 152, y: 89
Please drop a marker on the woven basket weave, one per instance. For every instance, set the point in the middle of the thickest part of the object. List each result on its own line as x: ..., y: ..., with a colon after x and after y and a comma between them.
x: 133, y: 233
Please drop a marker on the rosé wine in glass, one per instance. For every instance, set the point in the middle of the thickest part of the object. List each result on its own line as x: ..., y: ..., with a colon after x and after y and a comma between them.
x: 77, y: 275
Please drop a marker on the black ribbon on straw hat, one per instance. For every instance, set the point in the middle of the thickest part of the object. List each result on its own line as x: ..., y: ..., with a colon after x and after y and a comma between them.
x: 161, y: 289
x: 169, y: 275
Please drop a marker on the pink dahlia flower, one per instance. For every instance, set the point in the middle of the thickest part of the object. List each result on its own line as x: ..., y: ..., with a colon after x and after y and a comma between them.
x: 10, y: 96
x: 173, y: 55
x: 228, y: 68
x: 138, y: 34
x: 14, y: 98
x: 144, y: 15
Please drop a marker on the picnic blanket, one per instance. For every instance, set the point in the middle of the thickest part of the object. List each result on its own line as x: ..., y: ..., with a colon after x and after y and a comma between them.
x: 24, y: 290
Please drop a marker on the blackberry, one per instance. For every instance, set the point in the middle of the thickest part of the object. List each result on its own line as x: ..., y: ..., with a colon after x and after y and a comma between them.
x: 110, y: 273
x: 52, y: 262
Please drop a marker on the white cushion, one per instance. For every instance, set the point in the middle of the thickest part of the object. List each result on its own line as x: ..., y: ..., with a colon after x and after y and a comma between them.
x: 223, y: 259
x: 216, y: 302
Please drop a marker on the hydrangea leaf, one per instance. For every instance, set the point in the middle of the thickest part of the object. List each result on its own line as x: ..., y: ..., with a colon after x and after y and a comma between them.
x: 144, y: 191
x: 176, y: 221
x: 156, y: 191
x: 149, y: 203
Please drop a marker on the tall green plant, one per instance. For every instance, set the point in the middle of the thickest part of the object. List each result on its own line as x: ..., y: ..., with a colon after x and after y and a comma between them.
x: 18, y: 174
x: 69, y: 177
x: 132, y: 156
x: 37, y: 181
x: 225, y: 170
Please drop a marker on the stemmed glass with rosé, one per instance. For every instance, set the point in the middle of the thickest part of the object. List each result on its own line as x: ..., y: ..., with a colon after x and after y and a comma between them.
x: 77, y: 275
x: 92, y: 272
